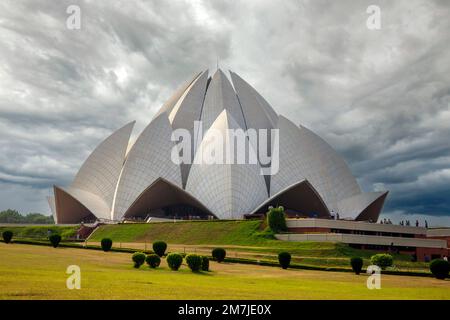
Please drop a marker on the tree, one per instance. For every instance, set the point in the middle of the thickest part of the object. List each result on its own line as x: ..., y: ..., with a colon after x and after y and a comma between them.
x: 153, y: 260
x: 219, y: 254
x: 138, y: 259
x: 383, y: 260
x: 7, y: 236
x: 357, y: 264
x: 55, y: 239
x: 284, y: 258
x: 174, y: 260
x: 159, y: 247
x: 106, y: 244
x: 276, y: 219
x: 194, y: 262
x: 440, y: 268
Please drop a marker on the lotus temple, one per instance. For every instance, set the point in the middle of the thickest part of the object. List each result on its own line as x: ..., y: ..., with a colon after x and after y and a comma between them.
x: 122, y: 181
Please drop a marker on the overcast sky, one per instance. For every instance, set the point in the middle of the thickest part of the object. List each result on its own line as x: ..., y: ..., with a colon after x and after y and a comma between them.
x: 379, y: 97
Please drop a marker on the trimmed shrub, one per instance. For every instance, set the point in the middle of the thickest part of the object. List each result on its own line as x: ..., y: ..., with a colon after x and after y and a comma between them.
x: 205, y: 263
x: 284, y: 258
x: 153, y: 260
x: 106, y: 244
x: 194, y: 262
x: 276, y: 219
x: 174, y: 261
x: 7, y: 236
x: 55, y: 239
x: 138, y: 259
x: 440, y: 268
x: 357, y: 264
x: 219, y: 254
x: 383, y: 260
x: 159, y: 247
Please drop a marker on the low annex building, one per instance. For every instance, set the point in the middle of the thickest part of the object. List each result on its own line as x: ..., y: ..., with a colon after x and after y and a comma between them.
x: 120, y: 181
x: 424, y: 243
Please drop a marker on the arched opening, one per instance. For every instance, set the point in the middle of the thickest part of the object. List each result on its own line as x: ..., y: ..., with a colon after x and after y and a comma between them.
x: 69, y: 210
x: 162, y: 199
x: 298, y: 200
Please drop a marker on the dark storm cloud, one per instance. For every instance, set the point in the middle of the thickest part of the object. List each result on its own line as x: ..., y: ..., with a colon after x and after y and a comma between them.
x: 380, y: 97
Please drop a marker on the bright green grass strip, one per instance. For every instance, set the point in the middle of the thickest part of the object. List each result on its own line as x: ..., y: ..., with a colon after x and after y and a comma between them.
x: 40, y: 232
x: 110, y: 275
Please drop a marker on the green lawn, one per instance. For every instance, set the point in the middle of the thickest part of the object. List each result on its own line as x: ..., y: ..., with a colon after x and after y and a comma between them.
x: 38, y: 272
x: 241, y: 239
x: 244, y: 239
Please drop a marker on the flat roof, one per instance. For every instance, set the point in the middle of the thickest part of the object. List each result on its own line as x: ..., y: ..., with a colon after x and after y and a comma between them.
x: 354, y: 225
x: 365, y: 239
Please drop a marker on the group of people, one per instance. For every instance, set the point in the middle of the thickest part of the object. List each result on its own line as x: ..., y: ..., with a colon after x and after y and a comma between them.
x: 408, y: 223
x: 404, y: 222
x: 334, y: 215
x: 386, y: 221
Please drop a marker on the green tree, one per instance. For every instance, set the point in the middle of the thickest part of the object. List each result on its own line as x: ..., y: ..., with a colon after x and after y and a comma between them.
x: 276, y: 219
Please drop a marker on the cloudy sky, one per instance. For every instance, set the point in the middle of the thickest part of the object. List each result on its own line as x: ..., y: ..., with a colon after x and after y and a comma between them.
x: 380, y: 97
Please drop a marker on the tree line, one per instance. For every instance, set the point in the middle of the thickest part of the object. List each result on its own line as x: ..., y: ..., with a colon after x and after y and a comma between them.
x: 13, y: 216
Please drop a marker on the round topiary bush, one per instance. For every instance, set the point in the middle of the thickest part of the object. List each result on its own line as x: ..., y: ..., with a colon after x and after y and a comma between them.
x: 440, y: 268
x: 194, y: 262
x: 7, y: 236
x: 55, y: 239
x: 276, y: 219
x: 159, y: 247
x: 106, y: 244
x: 357, y: 264
x: 174, y: 261
x: 219, y: 254
x: 383, y: 260
x: 138, y: 259
x: 153, y: 260
x: 205, y: 263
x: 284, y: 258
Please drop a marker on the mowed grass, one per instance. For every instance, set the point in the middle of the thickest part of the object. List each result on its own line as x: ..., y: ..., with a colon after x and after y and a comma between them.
x: 37, y: 272
x: 187, y: 232
x: 237, y: 234
x: 241, y: 236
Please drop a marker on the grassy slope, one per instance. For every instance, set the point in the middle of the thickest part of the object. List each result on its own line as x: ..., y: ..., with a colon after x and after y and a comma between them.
x: 40, y: 232
x: 247, y: 235
x: 111, y: 276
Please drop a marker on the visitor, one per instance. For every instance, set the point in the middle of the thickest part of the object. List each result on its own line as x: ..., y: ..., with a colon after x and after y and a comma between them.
x: 445, y: 258
x: 389, y: 221
x: 381, y: 221
x: 417, y: 223
x: 337, y: 215
x: 426, y: 224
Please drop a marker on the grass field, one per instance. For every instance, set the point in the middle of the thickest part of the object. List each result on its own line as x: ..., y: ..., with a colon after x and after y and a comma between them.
x: 241, y: 239
x: 38, y: 272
